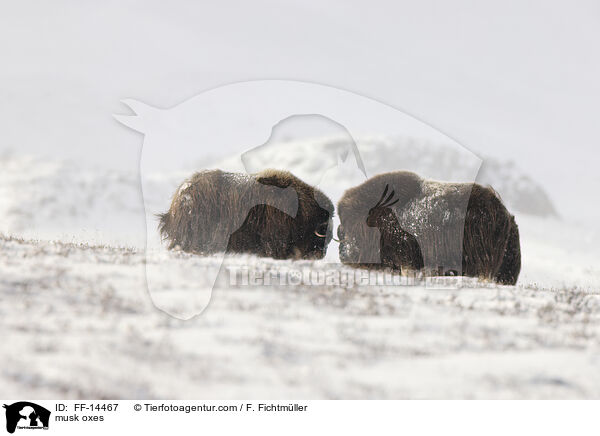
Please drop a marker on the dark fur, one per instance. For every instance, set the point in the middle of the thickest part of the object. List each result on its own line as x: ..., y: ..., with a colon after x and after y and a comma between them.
x: 216, y: 211
x: 400, y: 221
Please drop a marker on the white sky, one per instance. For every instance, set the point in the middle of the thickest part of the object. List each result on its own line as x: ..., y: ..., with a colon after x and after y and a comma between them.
x: 512, y: 79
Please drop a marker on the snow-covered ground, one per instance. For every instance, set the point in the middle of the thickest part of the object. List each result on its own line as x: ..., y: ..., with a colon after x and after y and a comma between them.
x: 78, y: 321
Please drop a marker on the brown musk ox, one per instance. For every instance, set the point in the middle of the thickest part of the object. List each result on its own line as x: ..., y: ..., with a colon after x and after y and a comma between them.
x: 270, y: 214
x: 400, y: 221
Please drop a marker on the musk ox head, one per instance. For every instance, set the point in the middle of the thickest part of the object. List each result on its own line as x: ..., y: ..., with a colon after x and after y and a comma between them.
x: 270, y: 214
x: 400, y: 221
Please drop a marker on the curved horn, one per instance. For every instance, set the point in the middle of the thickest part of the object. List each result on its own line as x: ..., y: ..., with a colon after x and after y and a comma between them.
x: 320, y: 235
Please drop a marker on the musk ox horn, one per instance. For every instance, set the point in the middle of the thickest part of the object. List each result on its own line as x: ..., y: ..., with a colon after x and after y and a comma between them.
x: 270, y: 214
x: 429, y: 226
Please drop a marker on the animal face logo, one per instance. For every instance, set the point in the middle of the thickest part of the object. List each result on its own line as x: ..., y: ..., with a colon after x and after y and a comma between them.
x: 26, y: 415
x: 221, y: 144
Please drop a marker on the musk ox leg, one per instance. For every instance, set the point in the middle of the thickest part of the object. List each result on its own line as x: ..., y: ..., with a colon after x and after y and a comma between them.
x: 412, y: 256
x: 399, y: 249
x: 511, y: 263
x: 266, y: 232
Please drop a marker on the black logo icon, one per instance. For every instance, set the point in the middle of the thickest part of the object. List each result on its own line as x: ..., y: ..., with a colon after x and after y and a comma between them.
x: 26, y: 415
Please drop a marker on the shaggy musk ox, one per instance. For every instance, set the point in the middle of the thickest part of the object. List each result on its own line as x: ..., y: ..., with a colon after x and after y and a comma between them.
x: 270, y: 214
x: 398, y: 220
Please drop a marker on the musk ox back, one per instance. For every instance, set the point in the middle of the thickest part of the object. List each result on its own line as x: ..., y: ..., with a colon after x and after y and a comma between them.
x: 401, y: 221
x: 270, y: 214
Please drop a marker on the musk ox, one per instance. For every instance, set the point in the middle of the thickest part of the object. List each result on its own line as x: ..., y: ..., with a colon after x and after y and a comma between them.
x: 270, y: 214
x: 400, y: 221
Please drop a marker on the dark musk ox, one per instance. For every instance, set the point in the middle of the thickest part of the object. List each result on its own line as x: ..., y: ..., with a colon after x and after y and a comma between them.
x: 400, y: 221
x: 270, y: 214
